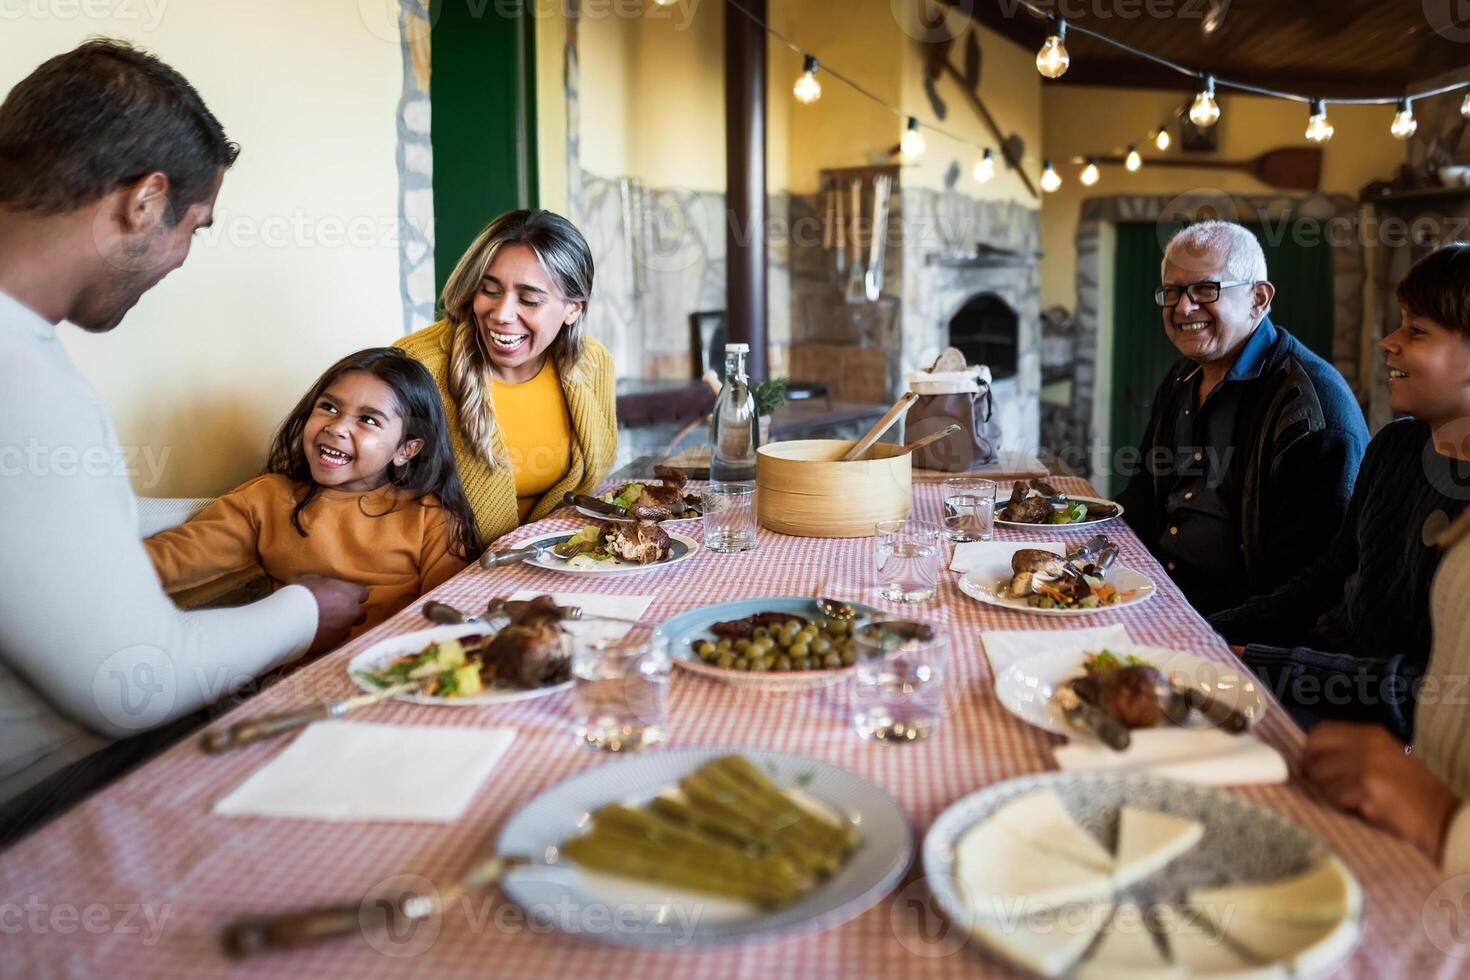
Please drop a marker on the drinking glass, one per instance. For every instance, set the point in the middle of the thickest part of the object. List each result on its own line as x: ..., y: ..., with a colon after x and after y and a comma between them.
x: 899, y: 683
x: 620, y: 688
x: 907, y: 560
x: 969, y: 509
x: 729, y: 517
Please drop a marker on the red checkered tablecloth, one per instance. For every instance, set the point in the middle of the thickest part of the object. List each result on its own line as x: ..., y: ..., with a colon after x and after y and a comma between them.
x: 138, y: 881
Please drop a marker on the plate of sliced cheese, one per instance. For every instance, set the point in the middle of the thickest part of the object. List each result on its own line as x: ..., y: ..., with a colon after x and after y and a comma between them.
x: 1098, y: 876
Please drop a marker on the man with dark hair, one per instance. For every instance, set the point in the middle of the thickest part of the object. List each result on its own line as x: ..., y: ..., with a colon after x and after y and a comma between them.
x: 1347, y: 637
x: 109, y: 162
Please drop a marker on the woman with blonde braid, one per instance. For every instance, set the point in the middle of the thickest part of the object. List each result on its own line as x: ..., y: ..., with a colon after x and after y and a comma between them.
x: 530, y: 398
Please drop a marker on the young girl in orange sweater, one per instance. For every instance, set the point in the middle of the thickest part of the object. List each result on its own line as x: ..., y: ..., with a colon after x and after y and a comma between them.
x: 360, y: 485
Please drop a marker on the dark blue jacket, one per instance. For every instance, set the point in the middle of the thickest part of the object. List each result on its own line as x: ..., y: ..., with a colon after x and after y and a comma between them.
x: 1299, y: 436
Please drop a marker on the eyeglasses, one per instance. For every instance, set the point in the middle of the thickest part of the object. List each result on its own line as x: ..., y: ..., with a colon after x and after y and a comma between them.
x: 1200, y: 292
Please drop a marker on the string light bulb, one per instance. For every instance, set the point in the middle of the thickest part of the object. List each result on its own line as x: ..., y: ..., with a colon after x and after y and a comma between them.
x: 1162, y: 139
x: 912, y: 143
x: 1052, y: 60
x: 1319, y: 130
x: 1404, y: 123
x: 1465, y: 106
x: 1090, y: 174
x: 1050, y: 179
x: 807, y: 89
x: 1134, y: 160
x: 1206, y: 111
x: 985, y: 166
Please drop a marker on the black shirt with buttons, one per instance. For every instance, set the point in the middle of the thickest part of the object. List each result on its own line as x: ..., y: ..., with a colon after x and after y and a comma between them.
x: 1199, y: 539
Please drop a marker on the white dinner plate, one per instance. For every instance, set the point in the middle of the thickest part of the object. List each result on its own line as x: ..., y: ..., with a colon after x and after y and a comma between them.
x: 1243, y: 842
x: 587, y: 512
x: 612, y: 909
x: 990, y: 583
x: 1117, y: 513
x: 681, y: 547
x: 1025, y: 687
x: 377, y: 656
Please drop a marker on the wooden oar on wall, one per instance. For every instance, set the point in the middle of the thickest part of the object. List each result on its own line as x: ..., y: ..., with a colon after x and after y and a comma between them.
x: 1295, y: 168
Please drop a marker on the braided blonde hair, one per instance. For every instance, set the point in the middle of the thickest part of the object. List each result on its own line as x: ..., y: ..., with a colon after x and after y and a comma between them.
x: 564, y: 254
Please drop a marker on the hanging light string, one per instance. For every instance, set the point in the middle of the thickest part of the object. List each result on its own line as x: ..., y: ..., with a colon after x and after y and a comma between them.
x: 1230, y: 83
x: 1052, y: 61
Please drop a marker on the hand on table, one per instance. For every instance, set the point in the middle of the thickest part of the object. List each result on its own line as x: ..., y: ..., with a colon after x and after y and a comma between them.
x: 1364, y: 769
x: 338, y: 609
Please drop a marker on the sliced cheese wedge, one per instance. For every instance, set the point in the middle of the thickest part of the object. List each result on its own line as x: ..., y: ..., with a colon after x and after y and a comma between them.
x: 1006, y: 877
x: 1048, y: 943
x: 1128, y: 951
x: 1322, y: 895
x: 1198, y: 949
x: 1148, y: 840
x: 1041, y: 820
x: 1307, y: 949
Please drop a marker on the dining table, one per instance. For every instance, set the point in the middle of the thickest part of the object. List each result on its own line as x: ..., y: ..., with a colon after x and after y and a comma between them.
x: 140, y: 879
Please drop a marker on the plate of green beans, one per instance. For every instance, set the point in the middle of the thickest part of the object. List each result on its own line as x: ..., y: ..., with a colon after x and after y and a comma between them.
x: 694, y: 848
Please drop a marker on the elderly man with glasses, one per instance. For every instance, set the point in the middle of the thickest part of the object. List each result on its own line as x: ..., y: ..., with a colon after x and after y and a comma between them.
x: 1248, y: 461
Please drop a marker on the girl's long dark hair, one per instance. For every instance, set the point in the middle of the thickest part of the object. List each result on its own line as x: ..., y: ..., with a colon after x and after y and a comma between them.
x: 432, y: 471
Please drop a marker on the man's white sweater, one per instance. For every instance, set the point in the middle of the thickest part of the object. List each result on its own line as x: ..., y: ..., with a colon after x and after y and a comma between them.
x: 91, y: 649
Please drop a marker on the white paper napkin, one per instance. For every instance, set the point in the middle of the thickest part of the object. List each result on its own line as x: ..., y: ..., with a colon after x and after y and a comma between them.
x: 347, y: 770
x: 622, y: 606
x: 973, y: 554
x: 1005, y: 647
x: 1205, y: 755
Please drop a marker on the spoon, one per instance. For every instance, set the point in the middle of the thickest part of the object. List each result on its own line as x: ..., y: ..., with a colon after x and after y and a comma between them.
x: 499, y: 606
x: 835, y: 608
x: 443, y: 612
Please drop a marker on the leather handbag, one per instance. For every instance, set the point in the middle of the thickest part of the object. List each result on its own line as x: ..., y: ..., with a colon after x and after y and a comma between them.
x: 975, y: 444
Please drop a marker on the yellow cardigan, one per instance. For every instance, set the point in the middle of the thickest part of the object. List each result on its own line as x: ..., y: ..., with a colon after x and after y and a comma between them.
x: 591, y: 393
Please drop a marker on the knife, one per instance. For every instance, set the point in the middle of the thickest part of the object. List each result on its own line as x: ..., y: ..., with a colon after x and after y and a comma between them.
x: 262, y: 727
x: 1090, y: 719
x: 597, y: 505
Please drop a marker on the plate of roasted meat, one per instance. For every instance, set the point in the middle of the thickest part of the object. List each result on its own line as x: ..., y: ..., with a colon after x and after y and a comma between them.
x: 1036, y: 502
x: 1081, y: 582
x: 775, y: 643
x: 1105, y: 694
x: 607, y: 549
x: 526, y: 655
x: 661, y: 500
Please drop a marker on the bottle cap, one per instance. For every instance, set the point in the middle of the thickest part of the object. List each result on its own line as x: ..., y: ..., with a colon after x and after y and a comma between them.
x: 737, y: 348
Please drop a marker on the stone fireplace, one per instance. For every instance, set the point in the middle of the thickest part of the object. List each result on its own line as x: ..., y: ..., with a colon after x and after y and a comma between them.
x: 958, y: 271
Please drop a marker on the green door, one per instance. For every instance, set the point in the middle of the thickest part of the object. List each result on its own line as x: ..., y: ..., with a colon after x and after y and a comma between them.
x: 1142, y: 352
x: 483, y: 97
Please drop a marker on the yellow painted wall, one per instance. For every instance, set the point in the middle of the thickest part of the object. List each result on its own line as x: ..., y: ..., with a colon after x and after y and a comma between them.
x: 551, y: 109
x: 653, y: 99
x: 302, y: 264
x: 1085, y: 121
x: 652, y: 91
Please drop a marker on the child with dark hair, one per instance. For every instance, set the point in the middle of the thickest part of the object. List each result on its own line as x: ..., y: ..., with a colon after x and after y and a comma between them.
x: 1347, y: 637
x: 360, y: 485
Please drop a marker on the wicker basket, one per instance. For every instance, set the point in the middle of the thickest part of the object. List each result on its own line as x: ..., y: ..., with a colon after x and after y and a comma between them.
x: 802, y: 488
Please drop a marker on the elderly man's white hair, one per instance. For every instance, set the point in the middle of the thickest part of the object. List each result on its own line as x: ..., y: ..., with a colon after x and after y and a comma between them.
x: 1200, y: 244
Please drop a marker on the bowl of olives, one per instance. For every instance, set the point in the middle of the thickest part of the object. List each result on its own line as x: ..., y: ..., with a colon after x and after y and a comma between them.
x: 776, y: 643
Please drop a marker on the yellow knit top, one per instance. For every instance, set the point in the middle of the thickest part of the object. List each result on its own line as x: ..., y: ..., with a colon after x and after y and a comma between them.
x: 533, y: 419
x: 590, y: 393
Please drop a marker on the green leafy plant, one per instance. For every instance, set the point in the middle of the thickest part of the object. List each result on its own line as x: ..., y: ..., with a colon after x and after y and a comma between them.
x: 769, y: 395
